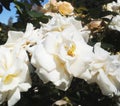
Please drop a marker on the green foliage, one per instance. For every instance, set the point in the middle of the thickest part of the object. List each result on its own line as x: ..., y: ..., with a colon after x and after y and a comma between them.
x: 79, y: 93
x: 27, y: 15
x: 35, y: 14
x: 3, y: 33
x: 92, y: 9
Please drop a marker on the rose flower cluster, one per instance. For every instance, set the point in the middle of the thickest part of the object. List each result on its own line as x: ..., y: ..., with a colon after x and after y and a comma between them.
x: 59, y: 51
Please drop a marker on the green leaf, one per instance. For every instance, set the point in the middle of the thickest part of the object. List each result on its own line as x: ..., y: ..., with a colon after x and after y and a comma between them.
x: 19, y: 6
x: 35, y: 14
x: 107, y: 46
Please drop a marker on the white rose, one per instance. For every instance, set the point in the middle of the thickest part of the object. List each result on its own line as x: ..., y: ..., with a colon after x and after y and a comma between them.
x: 14, y: 77
x: 60, y: 23
x: 19, y: 42
x: 113, y: 70
x: 65, y: 8
x: 105, y: 72
x: 60, y: 56
x: 24, y: 39
x: 49, y: 66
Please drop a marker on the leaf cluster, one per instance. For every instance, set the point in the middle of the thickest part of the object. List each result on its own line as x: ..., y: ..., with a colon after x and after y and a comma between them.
x: 27, y: 15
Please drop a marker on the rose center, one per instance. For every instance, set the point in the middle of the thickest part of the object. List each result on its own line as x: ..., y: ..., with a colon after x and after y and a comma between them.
x: 71, y: 50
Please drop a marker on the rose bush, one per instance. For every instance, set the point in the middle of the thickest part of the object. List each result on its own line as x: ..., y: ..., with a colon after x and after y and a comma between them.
x: 59, y: 52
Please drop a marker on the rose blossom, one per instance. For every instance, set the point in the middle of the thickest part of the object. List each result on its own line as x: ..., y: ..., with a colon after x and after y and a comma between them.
x: 61, y: 55
x: 14, y: 77
x: 60, y: 23
x: 24, y: 39
x: 105, y: 71
x: 19, y: 42
x: 64, y: 8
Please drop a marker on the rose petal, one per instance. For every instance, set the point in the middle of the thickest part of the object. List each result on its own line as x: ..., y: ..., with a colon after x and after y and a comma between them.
x: 14, y: 98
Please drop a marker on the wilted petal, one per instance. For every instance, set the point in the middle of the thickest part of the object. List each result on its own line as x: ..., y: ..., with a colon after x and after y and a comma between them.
x: 3, y: 97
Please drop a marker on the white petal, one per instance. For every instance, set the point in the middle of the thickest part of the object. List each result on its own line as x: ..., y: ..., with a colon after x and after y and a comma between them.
x: 43, y: 74
x: 84, y: 56
x: 105, y: 84
x: 86, y: 75
x: 24, y: 87
x: 42, y: 58
x: 100, y: 53
x: 29, y: 29
x: 52, y: 42
x: 59, y: 76
x: 20, y: 53
x: 85, y: 35
x: 5, y: 57
x: 14, y: 98
x: 48, y: 76
x: 76, y: 68
x: 73, y: 35
x: 13, y: 36
x: 76, y: 23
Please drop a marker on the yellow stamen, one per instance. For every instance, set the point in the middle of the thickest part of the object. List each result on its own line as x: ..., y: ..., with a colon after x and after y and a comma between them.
x: 71, y: 51
x: 9, y: 78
